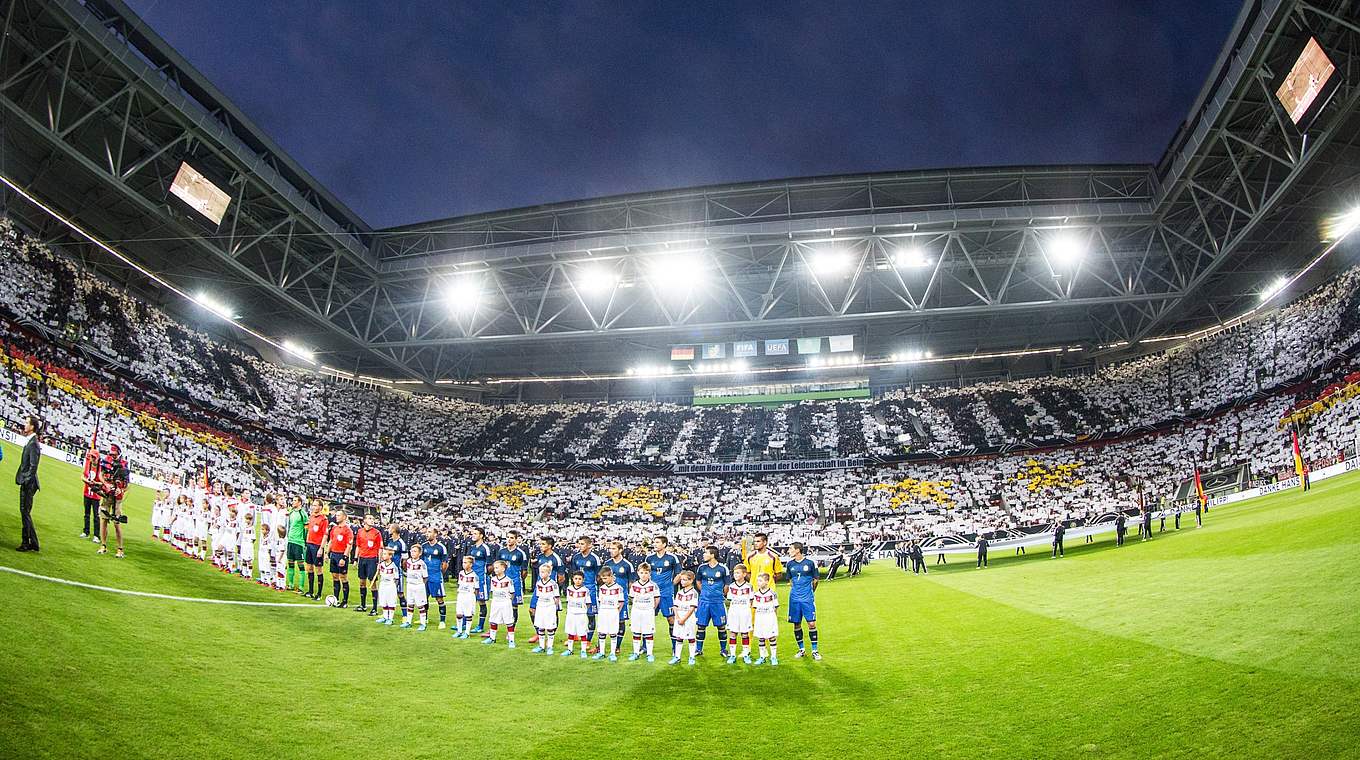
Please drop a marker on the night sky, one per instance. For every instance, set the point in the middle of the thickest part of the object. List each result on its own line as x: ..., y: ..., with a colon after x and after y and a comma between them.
x: 416, y: 111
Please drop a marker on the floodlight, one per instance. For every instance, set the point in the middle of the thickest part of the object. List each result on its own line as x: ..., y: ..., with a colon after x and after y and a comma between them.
x: 1346, y: 223
x: 1274, y: 287
x: 1066, y: 249
x: 912, y: 257
x: 215, y: 306
x: 830, y: 262
x: 463, y: 293
x: 299, y: 350
x: 677, y: 271
x: 596, y: 279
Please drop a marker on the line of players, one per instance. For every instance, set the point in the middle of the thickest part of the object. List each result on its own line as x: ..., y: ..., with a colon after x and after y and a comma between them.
x: 601, y: 596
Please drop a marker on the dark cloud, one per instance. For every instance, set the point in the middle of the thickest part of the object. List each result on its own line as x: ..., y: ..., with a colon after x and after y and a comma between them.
x: 411, y: 111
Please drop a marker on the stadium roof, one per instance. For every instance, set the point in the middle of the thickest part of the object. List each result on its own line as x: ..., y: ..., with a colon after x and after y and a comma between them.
x: 98, y: 114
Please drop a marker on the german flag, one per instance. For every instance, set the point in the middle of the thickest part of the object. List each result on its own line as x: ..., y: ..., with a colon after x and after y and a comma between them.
x: 1300, y: 468
x: 1199, y: 490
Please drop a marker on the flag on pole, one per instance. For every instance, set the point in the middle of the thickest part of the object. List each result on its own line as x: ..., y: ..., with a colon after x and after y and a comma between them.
x: 1300, y: 468
x: 1199, y: 490
x: 90, y: 470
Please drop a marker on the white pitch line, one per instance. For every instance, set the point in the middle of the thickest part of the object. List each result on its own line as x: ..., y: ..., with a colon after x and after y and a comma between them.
x: 66, y: 582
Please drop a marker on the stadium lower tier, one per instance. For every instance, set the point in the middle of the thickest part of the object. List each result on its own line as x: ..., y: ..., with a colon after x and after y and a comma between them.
x: 990, y: 495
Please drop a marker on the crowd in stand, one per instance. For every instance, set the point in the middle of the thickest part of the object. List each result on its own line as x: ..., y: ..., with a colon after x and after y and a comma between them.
x: 181, y: 402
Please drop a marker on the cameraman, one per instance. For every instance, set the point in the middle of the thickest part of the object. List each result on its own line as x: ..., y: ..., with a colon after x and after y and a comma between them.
x: 113, y: 483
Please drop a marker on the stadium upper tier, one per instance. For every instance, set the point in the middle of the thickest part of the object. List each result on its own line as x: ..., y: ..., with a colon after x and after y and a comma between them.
x: 259, y: 401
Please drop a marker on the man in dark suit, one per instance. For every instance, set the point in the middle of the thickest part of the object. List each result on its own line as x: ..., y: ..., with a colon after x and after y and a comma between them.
x: 27, y: 479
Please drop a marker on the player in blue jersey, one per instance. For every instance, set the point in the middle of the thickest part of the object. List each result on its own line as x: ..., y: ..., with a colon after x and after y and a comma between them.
x: 547, y: 555
x: 516, y: 561
x: 713, y: 578
x: 587, y: 563
x: 665, y: 565
x: 803, y: 578
x: 399, y: 549
x: 624, y: 575
x: 436, y: 562
x: 482, y: 555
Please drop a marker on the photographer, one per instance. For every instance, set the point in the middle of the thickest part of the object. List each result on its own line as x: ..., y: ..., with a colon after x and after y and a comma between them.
x: 113, y: 483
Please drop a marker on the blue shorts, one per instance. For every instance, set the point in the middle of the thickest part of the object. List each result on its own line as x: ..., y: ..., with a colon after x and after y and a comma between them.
x: 434, y: 586
x: 711, y: 613
x: 368, y: 567
x: 800, y: 611
x: 667, y: 605
x: 483, y: 584
x: 623, y: 611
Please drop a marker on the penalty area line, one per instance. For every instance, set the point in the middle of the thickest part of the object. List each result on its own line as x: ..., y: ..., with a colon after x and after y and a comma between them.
x: 151, y: 595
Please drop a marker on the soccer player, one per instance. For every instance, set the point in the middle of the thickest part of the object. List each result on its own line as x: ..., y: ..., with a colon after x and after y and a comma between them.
x: 368, y: 542
x: 803, y: 578
x: 549, y: 598
x: 516, y: 561
x: 623, y: 571
x: 502, y: 603
x: 686, y: 603
x: 341, y: 537
x: 713, y: 577
x: 578, y: 613
x: 761, y: 559
x: 765, y: 602
x: 436, y: 564
x: 417, y: 583
x: 547, y: 555
x: 739, y: 620
x: 245, y: 550
x: 399, y: 550
x: 318, y: 525
x: 610, y: 600
x: 482, y: 554
x: 297, y: 544
x: 587, y: 563
x: 386, y: 593
x: 664, y: 564
x: 465, y: 606
x: 646, y: 602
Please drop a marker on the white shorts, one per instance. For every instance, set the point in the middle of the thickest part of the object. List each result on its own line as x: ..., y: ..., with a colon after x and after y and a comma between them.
x: 643, y: 621
x: 466, y: 606
x: 387, y: 595
x: 501, y: 612
x: 415, y: 594
x: 578, y: 624
x: 766, y: 624
x: 607, y: 622
x: 739, y: 618
x: 200, y: 531
x: 247, y: 551
x: 545, y: 615
x: 223, y: 543
x: 686, y: 630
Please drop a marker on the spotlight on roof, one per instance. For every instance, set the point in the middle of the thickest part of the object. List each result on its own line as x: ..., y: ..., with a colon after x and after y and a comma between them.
x: 215, y: 306
x: 463, y: 293
x: 678, y: 271
x: 1066, y: 249
x: 596, y: 279
x: 831, y: 262
x: 912, y: 257
x: 299, y: 350
x: 1346, y: 223
x: 1273, y: 288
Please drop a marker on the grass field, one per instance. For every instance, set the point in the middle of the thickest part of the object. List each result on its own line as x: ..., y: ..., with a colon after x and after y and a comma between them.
x: 1235, y: 640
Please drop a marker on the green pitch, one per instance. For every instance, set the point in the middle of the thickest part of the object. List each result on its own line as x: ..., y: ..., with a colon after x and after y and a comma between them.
x: 1235, y: 640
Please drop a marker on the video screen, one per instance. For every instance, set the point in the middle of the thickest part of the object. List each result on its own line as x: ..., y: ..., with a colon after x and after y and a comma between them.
x: 1305, y: 80
x: 201, y: 195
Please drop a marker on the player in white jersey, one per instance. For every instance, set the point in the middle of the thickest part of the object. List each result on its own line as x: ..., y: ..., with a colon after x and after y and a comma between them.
x: 200, y: 537
x: 646, y: 598
x: 686, y: 604
x: 765, y: 602
x: 158, y: 512
x: 266, y: 523
x: 739, y: 615
x: 545, y: 612
x: 609, y: 605
x: 245, y: 545
x: 465, y: 606
x: 578, y: 614
x: 502, y: 607
x: 281, y: 553
x: 217, y: 525
x: 387, y: 586
x: 414, y: 571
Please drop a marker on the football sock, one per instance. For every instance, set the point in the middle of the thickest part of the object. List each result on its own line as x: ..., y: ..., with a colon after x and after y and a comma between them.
x: 703, y: 634
x: 637, y: 644
x: 481, y: 615
x: 773, y: 649
x: 590, y: 627
x: 798, y: 636
x: 510, y: 633
x: 722, y: 638
x: 363, y: 596
x: 290, y: 577
x: 345, y: 587
x: 550, y: 639
x: 335, y: 587
x: 443, y: 612
x: 401, y: 599
x: 650, y: 641
x: 613, y: 645
x: 493, y: 631
x: 311, y: 583
x: 812, y: 638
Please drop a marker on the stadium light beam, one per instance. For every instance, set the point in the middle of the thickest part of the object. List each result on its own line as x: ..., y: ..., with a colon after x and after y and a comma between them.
x: 299, y: 350
x: 1066, y: 249
x: 215, y: 306
x: 596, y: 280
x: 830, y: 263
x: 677, y: 272
x: 1271, y: 290
x: 463, y: 293
x: 912, y: 257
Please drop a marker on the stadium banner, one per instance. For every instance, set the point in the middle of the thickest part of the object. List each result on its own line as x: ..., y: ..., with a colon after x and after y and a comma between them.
x: 682, y: 353
x: 781, y: 348
x: 743, y: 349
x: 715, y: 350
x: 841, y: 343
x: 809, y: 345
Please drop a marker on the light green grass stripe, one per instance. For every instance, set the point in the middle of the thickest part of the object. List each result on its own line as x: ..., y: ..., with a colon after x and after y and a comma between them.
x: 170, y: 597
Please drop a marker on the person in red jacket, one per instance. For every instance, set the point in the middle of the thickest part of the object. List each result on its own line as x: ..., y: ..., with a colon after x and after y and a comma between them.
x: 368, y: 541
x: 318, y: 525
x: 341, y: 537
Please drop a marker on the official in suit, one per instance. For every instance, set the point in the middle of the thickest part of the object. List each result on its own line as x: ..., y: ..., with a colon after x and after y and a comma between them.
x: 27, y: 479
